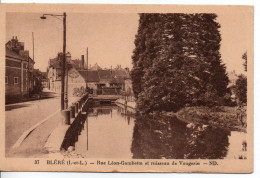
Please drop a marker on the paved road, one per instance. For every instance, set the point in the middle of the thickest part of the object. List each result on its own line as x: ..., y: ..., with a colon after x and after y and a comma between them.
x: 21, y: 116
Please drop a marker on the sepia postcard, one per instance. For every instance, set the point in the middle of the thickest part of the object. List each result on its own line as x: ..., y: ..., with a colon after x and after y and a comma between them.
x: 126, y: 88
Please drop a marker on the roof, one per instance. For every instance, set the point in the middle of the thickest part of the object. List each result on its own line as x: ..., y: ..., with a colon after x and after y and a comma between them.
x: 55, y: 63
x: 95, y: 67
x: 12, y: 54
x: 76, y: 63
x: 121, y: 73
x: 89, y: 76
x: 105, y: 75
x: 36, y: 72
x: 118, y: 79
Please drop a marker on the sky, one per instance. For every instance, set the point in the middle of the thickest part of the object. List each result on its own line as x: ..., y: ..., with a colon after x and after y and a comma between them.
x: 109, y: 37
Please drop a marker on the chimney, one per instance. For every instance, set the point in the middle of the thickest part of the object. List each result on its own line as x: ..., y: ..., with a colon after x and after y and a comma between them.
x: 82, y: 61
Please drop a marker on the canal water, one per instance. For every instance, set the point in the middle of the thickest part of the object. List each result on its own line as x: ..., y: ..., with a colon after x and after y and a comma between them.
x: 111, y: 132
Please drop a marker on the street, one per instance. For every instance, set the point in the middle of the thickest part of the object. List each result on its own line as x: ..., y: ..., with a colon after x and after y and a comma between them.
x: 22, y: 116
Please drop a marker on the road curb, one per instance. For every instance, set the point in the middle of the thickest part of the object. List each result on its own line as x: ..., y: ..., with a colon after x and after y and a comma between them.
x: 54, y: 142
x: 27, y: 133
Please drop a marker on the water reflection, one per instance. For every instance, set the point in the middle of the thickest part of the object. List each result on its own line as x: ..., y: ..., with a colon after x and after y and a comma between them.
x: 113, y: 132
x: 169, y: 138
x: 107, y: 133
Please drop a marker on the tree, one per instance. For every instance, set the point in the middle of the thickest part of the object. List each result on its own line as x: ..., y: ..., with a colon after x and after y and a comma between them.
x: 244, y: 56
x: 176, y: 61
x: 241, y: 88
x: 241, y: 83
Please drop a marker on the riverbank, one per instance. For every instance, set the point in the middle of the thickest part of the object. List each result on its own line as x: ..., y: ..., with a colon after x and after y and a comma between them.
x: 130, y: 105
x: 230, y: 118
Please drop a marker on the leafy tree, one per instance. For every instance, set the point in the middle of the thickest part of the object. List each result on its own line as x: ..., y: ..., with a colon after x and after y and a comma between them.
x: 241, y: 83
x: 241, y: 88
x: 176, y: 61
x: 170, y: 138
x: 244, y: 56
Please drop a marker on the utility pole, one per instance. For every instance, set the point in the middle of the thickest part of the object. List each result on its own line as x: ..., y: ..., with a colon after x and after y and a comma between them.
x: 64, y: 89
x: 64, y: 95
x: 87, y: 69
x: 28, y: 71
x: 33, y: 44
x: 64, y: 101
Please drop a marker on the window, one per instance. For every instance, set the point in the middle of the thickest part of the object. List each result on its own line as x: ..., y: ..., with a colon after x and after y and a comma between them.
x: 6, y: 79
x: 15, y: 80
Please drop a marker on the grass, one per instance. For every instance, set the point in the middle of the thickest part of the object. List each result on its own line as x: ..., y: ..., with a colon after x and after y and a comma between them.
x: 231, y: 118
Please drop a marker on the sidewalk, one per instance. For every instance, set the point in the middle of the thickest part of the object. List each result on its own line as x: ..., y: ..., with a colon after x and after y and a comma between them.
x: 46, y: 94
x: 32, y: 143
x: 19, y: 117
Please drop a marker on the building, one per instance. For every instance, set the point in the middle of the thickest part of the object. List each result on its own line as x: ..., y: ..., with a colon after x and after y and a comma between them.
x: 95, y: 67
x: 54, y: 71
x: 77, y: 80
x: 78, y: 64
x: 44, y: 79
x: 19, y: 71
x: 98, y: 81
x: 119, y: 75
x: 105, y: 76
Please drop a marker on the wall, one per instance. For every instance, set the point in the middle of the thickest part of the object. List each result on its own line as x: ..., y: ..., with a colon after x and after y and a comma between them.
x: 14, y: 91
x: 57, y: 86
x: 11, y: 88
x: 76, y: 83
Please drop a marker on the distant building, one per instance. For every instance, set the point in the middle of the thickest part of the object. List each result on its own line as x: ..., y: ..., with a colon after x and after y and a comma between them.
x: 78, y: 64
x: 77, y: 81
x: 94, y: 67
x: 19, y: 71
x: 44, y: 79
x: 99, y: 81
x: 119, y: 75
x: 54, y: 72
x: 105, y: 76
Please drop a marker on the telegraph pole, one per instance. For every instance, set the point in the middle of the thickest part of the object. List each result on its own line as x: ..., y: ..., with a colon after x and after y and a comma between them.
x: 64, y: 86
x: 64, y: 102
x: 87, y: 69
x: 33, y: 44
x: 64, y: 95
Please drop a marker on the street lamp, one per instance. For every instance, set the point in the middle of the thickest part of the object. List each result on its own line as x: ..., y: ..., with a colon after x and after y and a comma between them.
x: 64, y: 93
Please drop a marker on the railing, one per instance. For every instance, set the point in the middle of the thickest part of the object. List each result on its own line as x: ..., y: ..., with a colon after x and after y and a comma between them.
x: 74, y: 109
